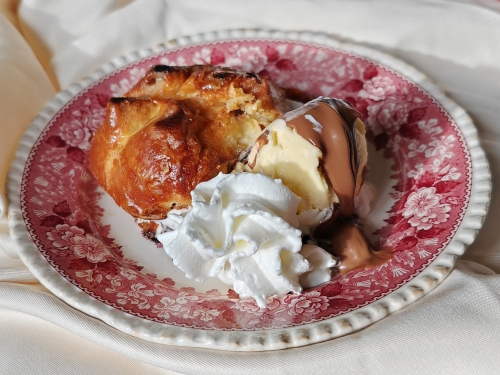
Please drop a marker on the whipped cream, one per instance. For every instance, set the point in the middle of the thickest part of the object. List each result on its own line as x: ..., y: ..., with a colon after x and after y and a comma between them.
x: 321, y: 263
x: 242, y: 228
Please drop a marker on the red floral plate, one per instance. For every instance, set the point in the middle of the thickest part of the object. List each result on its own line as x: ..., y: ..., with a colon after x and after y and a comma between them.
x: 431, y: 176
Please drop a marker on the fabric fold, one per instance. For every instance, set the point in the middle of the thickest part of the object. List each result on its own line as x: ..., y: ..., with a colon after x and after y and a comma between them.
x: 16, y: 275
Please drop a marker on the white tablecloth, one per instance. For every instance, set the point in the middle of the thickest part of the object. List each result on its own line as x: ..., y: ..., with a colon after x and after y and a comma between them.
x: 47, y: 45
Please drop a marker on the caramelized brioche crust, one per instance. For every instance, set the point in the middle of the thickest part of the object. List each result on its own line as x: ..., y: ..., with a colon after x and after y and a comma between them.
x: 177, y: 127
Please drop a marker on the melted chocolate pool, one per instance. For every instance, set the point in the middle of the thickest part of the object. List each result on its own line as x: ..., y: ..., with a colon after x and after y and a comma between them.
x: 330, y: 125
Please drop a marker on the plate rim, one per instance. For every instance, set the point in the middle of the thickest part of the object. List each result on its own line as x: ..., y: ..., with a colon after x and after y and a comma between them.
x: 260, y: 340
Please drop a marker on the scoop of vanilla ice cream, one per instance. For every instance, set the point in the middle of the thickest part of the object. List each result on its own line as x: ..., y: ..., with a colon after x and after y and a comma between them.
x: 282, y: 153
x: 308, y: 152
x: 242, y: 228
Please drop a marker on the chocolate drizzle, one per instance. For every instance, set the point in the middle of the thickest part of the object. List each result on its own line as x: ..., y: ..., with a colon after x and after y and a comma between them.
x: 330, y: 125
x: 322, y: 123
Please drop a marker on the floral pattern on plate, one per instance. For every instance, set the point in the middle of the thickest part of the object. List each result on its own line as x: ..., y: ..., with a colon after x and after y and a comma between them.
x: 427, y: 154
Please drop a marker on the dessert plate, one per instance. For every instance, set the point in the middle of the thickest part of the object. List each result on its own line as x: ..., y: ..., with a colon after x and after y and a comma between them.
x: 431, y: 176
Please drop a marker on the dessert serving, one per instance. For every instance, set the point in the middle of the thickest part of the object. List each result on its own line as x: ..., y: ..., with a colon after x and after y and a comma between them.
x: 430, y: 175
x: 179, y: 132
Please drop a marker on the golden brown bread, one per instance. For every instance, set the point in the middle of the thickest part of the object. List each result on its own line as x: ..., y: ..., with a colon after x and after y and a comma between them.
x: 177, y: 127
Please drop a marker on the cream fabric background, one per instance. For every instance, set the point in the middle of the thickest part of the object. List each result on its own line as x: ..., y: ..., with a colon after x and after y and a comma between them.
x: 45, y: 45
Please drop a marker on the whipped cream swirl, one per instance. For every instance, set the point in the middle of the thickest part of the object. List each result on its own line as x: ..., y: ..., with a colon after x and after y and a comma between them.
x: 243, y: 229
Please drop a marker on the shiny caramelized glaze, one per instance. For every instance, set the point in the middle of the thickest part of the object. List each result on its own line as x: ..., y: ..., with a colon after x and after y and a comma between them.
x: 177, y: 127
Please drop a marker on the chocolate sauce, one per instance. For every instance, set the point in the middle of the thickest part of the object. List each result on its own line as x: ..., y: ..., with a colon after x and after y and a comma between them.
x: 324, y: 229
x: 330, y: 125
x: 349, y: 243
x: 321, y: 123
x: 260, y: 142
